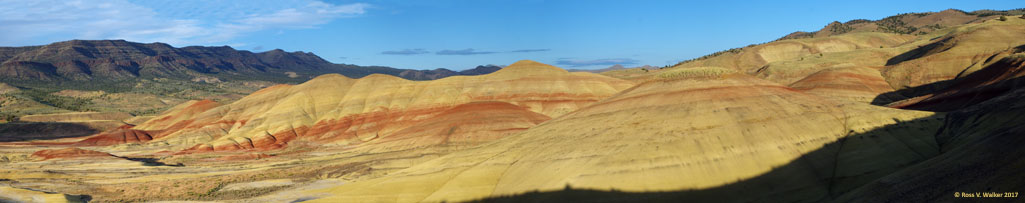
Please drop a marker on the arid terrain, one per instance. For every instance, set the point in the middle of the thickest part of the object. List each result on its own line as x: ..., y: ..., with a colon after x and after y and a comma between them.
x: 909, y: 108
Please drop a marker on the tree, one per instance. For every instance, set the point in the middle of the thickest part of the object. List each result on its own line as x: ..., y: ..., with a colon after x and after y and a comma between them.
x: 1002, y: 18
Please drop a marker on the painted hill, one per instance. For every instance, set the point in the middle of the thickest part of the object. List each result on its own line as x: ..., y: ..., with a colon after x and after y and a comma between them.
x: 965, y: 50
x: 68, y: 153
x: 850, y: 65
x: 787, y: 61
x: 736, y: 127
x: 336, y: 109
x: 786, y: 121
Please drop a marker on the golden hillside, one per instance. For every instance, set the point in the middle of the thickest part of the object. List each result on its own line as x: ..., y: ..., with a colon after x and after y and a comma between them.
x: 336, y: 109
x: 685, y: 132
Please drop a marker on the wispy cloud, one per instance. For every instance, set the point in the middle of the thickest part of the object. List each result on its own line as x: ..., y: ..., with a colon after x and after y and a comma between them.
x: 174, y: 22
x: 463, y: 52
x: 406, y: 52
x: 531, y: 50
x: 596, y: 62
x: 468, y: 51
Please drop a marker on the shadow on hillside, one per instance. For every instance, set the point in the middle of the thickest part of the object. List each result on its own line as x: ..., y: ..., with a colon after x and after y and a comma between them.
x: 24, y: 131
x: 78, y: 198
x: 916, y: 53
x: 912, y: 92
x: 150, y: 161
x: 963, y: 91
x: 809, y: 178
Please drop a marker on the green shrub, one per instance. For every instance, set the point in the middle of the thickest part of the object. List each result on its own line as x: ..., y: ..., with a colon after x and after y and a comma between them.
x: 63, y: 102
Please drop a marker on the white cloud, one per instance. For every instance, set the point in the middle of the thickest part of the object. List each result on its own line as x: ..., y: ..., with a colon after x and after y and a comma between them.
x: 173, y: 22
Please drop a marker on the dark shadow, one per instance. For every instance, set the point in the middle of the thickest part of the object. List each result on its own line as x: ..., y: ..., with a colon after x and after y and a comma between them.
x: 303, y: 199
x: 989, y: 82
x: 78, y: 198
x: 24, y: 131
x: 911, y: 92
x: 150, y: 161
x: 923, y: 51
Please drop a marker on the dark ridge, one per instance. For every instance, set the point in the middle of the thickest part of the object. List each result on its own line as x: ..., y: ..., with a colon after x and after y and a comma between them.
x: 89, y: 60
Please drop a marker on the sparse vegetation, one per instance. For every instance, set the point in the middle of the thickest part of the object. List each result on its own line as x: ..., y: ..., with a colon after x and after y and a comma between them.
x: 985, y: 13
x: 857, y: 21
x: 63, y: 102
x: 895, y: 24
x: 697, y: 72
x: 719, y: 53
x: 840, y: 28
x: 934, y: 26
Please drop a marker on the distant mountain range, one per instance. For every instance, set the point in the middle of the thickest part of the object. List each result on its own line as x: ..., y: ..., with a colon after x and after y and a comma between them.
x: 84, y: 60
x: 441, y: 72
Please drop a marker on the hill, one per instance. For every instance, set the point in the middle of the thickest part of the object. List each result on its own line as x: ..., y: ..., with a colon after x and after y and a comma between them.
x: 907, y: 23
x: 84, y: 60
x: 145, y: 79
x: 336, y: 109
x: 869, y: 114
x: 736, y: 127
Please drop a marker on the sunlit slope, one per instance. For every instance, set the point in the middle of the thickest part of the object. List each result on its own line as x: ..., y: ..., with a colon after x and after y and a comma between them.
x: 750, y: 59
x: 686, y: 130
x: 179, y: 114
x: 852, y: 83
x: 788, y: 61
x: 964, y: 50
x: 340, y: 110
x: 848, y: 66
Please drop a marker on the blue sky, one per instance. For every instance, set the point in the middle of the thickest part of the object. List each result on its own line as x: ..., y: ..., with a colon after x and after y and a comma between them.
x: 451, y: 34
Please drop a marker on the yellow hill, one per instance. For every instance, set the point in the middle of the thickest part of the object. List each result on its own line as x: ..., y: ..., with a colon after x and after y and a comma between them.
x: 336, y: 109
x: 964, y: 50
x: 690, y: 130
